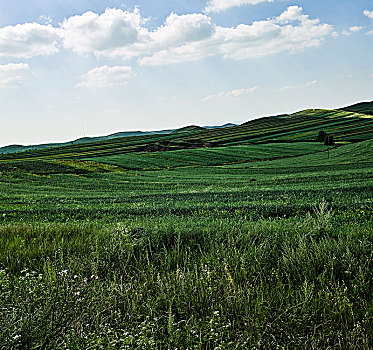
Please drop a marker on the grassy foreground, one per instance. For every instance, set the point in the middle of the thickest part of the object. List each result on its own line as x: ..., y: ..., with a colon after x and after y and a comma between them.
x: 197, y: 283
x: 148, y: 251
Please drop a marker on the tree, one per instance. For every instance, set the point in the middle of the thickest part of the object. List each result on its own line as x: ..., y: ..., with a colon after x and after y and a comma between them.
x: 321, y: 136
x: 329, y: 140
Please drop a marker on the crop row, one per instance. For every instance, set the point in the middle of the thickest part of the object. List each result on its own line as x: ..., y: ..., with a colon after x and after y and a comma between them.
x: 300, y: 126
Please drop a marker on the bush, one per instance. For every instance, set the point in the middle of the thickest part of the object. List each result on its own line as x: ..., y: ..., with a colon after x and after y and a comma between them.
x: 321, y: 136
x: 329, y: 140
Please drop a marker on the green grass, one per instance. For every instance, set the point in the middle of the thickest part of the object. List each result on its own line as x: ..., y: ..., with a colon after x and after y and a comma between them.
x: 258, y: 246
x: 362, y: 107
x: 209, y: 156
x: 191, y: 282
x: 299, y: 127
x: 260, y: 188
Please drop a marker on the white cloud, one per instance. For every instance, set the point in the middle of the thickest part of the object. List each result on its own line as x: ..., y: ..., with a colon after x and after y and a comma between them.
x: 45, y: 19
x: 118, y: 33
x: 353, y: 29
x: 286, y: 88
x: 311, y: 83
x: 231, y: 93
x: 12, y: 74
x: 221, y: 5
x: 307, y: 85
x: 181, y: 38
x: 106, y: 76
x: 241, y: 92
x: 368, y: 13
x: 183, y: 29
x: 291, y: 32
x: 28, y: 40
x: 291, y: 14
x: 356, y: 29
x: 104, y: 34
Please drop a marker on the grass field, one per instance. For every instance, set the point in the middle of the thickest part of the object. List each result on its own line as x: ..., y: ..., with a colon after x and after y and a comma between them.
x: 227, y: 242
x: 303, y: 126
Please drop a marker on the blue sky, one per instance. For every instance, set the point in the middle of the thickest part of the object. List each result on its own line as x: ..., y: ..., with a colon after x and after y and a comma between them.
x: 75, y: 67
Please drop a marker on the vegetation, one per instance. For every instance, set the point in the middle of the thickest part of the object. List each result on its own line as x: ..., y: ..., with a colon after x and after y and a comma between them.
x: 362, y: 107
x: 321, y: 136
x: 162, y: 242
x: 299, y: 127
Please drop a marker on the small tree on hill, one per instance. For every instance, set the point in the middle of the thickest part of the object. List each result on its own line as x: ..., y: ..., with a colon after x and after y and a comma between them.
x: 329, y: 141
x: 321, y: 136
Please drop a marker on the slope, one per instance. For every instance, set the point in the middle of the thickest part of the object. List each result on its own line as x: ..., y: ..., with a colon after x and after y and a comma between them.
x: 298, y: 127
x: 362, y: 107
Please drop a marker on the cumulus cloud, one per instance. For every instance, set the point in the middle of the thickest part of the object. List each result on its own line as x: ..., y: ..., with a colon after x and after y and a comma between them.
x: 12, y: 74
x: 104, y: 34
x: 355, y: 29
x: 221, y: 5
x: 122, y: 34
x: 368, y: 13
x: 291, y: 14
x: 106, y: 76
x: 28, y: 40
x: 45, y: 19
x: 183, y: 29
x: 231, y: 93
x: 291, y: 32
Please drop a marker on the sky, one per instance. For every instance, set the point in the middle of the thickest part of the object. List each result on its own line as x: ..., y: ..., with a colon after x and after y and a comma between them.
x: 73, y: 68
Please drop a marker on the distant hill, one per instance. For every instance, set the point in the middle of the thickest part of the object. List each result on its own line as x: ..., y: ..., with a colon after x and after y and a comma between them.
x: 227, y: 125
x: 362, y: 107
x: 21, y: 148
x: 190, y: 128
x: 304, y: 126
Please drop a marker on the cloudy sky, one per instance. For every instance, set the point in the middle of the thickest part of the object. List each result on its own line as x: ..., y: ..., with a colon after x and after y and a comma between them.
x: 70, y: 68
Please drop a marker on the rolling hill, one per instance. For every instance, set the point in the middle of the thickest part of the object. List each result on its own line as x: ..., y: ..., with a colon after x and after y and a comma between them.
x: 303, y: 126
x: 200, y: 231
x: 362, y: 107
x: 21, y: 148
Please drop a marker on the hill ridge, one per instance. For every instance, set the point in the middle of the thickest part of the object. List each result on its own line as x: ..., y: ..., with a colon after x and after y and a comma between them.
x: 302, y: 126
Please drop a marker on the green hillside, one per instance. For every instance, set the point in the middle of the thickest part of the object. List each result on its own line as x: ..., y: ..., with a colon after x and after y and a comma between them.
x: 20, y: 148
x: 362, y: 107
x: 247, y: 237
x: 298, y: 127
x: 209, y: 156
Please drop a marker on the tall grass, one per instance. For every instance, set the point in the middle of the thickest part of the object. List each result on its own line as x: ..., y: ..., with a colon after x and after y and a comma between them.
x: 192, y: 282
x: 230, y: 257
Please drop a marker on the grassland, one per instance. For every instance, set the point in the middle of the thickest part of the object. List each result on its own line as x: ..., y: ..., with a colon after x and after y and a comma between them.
x: 298, y: 127
x: 192, y: 240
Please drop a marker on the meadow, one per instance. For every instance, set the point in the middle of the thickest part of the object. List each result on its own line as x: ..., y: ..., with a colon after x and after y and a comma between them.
x: 156, y: 242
